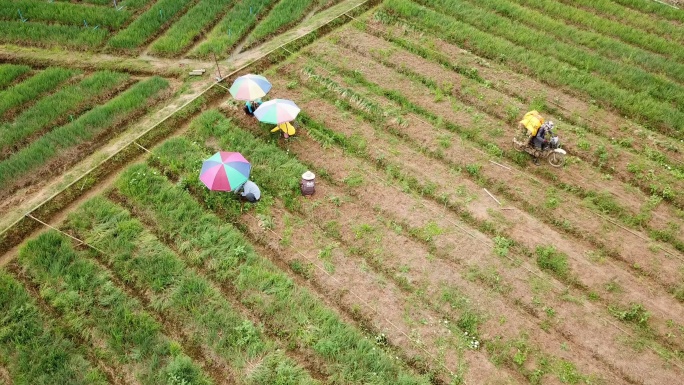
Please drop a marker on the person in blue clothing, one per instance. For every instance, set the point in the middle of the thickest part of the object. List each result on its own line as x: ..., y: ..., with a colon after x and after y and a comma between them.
x: 251, y: 106
x: 249, y: 192
x: 540, y: 141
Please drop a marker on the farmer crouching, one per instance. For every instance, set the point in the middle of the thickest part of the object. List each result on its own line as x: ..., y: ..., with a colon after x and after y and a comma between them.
x: 249, y: 192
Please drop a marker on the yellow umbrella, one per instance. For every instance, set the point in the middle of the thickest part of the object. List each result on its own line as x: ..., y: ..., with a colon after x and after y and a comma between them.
x: 287, y: 128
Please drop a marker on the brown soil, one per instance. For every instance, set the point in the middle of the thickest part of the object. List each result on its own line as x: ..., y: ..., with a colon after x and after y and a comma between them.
x: 591, y: 315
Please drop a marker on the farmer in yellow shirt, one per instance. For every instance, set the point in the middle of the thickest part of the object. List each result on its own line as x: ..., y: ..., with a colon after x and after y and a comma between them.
x: 287, y: 129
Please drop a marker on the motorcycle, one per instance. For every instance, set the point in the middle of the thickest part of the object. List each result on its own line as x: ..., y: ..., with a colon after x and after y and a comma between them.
x: 550, y: 151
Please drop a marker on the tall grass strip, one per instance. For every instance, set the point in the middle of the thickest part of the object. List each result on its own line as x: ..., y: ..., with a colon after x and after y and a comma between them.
x: 232, y: 28
x: 63, y: 13
x: 665, y: 118
x: 90, y: 300
x: 56, y: 106
x: 618, y: 29
x: 286, y: 13
x: 181, y: 295
x: 44, y: 35
x: 32, y: 348
x: 10, y: 72
x: 187, y: 29
x: 86, y: 127
x: 651, y: 7
x: 32, y: 87
x: 298, y: 316
x: 148, y: 24
x: 607, y: 47
x: 123, y: 4
x: 625, y: 76
x: 647, y: 22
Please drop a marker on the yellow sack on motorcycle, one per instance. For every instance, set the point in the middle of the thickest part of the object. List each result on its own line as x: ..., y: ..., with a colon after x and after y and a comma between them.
x: 532, y: 121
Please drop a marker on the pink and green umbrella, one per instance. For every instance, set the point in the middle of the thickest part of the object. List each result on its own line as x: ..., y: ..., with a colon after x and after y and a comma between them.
x: 225, y: 171
x: 250, y: 87
x: 277, y: 111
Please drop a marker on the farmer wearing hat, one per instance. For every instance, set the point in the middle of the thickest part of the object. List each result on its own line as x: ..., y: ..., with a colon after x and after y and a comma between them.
x: 308, y: 184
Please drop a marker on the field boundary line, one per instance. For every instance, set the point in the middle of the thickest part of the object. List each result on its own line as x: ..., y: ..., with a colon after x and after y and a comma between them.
x: 172, y: 113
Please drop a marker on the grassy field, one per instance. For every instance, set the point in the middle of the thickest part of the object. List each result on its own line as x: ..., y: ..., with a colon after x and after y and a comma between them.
x: 433, y: 252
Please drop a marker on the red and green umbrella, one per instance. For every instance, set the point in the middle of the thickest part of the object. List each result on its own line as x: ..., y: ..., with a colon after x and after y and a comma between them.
x: 277, y: 111
x: 250, y: 87
x: 225, y: 171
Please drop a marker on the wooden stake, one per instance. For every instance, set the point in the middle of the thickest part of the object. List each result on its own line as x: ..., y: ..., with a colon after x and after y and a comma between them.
x: 490, y: 194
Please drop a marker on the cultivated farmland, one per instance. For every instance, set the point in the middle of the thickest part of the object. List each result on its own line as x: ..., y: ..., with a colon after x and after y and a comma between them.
x: 432, y: 251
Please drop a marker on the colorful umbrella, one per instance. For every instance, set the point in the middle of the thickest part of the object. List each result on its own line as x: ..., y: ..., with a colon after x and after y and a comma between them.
x: 225, y: 171
x: 249, y: 87
x: 277, y: 111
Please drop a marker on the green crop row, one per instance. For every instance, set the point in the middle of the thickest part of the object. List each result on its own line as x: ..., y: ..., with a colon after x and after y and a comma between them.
x: 126, y: 4
x: 16, y: 32
x: 283, y: 14
x: 32, y: 348
x: 639, y: 20
x: 212, y: 242
x: 29, y: 89
x: 63, y: 13
x: 51, y: 108
x: 183, y: 32
x: 667, y: 119
x: 651, y: 7
x: 602, y: 45
x: 651, y: 42
x: 86, y: 127
x: 148, y: 24
x: 234, y: 25
x: 180, y: 294
x: 9, y: 72
x: 89, y: 300
x: 625, y: 76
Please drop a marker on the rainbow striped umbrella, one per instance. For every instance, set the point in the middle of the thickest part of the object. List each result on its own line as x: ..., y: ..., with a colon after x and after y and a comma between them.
x: 277, y: 111
x: 250, y: 87
x: 225, y: 171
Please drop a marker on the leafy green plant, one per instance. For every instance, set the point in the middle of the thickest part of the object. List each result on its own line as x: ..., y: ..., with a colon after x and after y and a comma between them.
x: 635, y: 313
x: 550, y: 259
x: 502, y: 246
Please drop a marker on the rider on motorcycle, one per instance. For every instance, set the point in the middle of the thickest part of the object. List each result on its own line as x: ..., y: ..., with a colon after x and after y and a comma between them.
x: 540, y: 142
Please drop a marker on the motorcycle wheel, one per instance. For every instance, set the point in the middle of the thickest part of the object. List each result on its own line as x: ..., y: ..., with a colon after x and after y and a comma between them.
x: 556, y: 159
